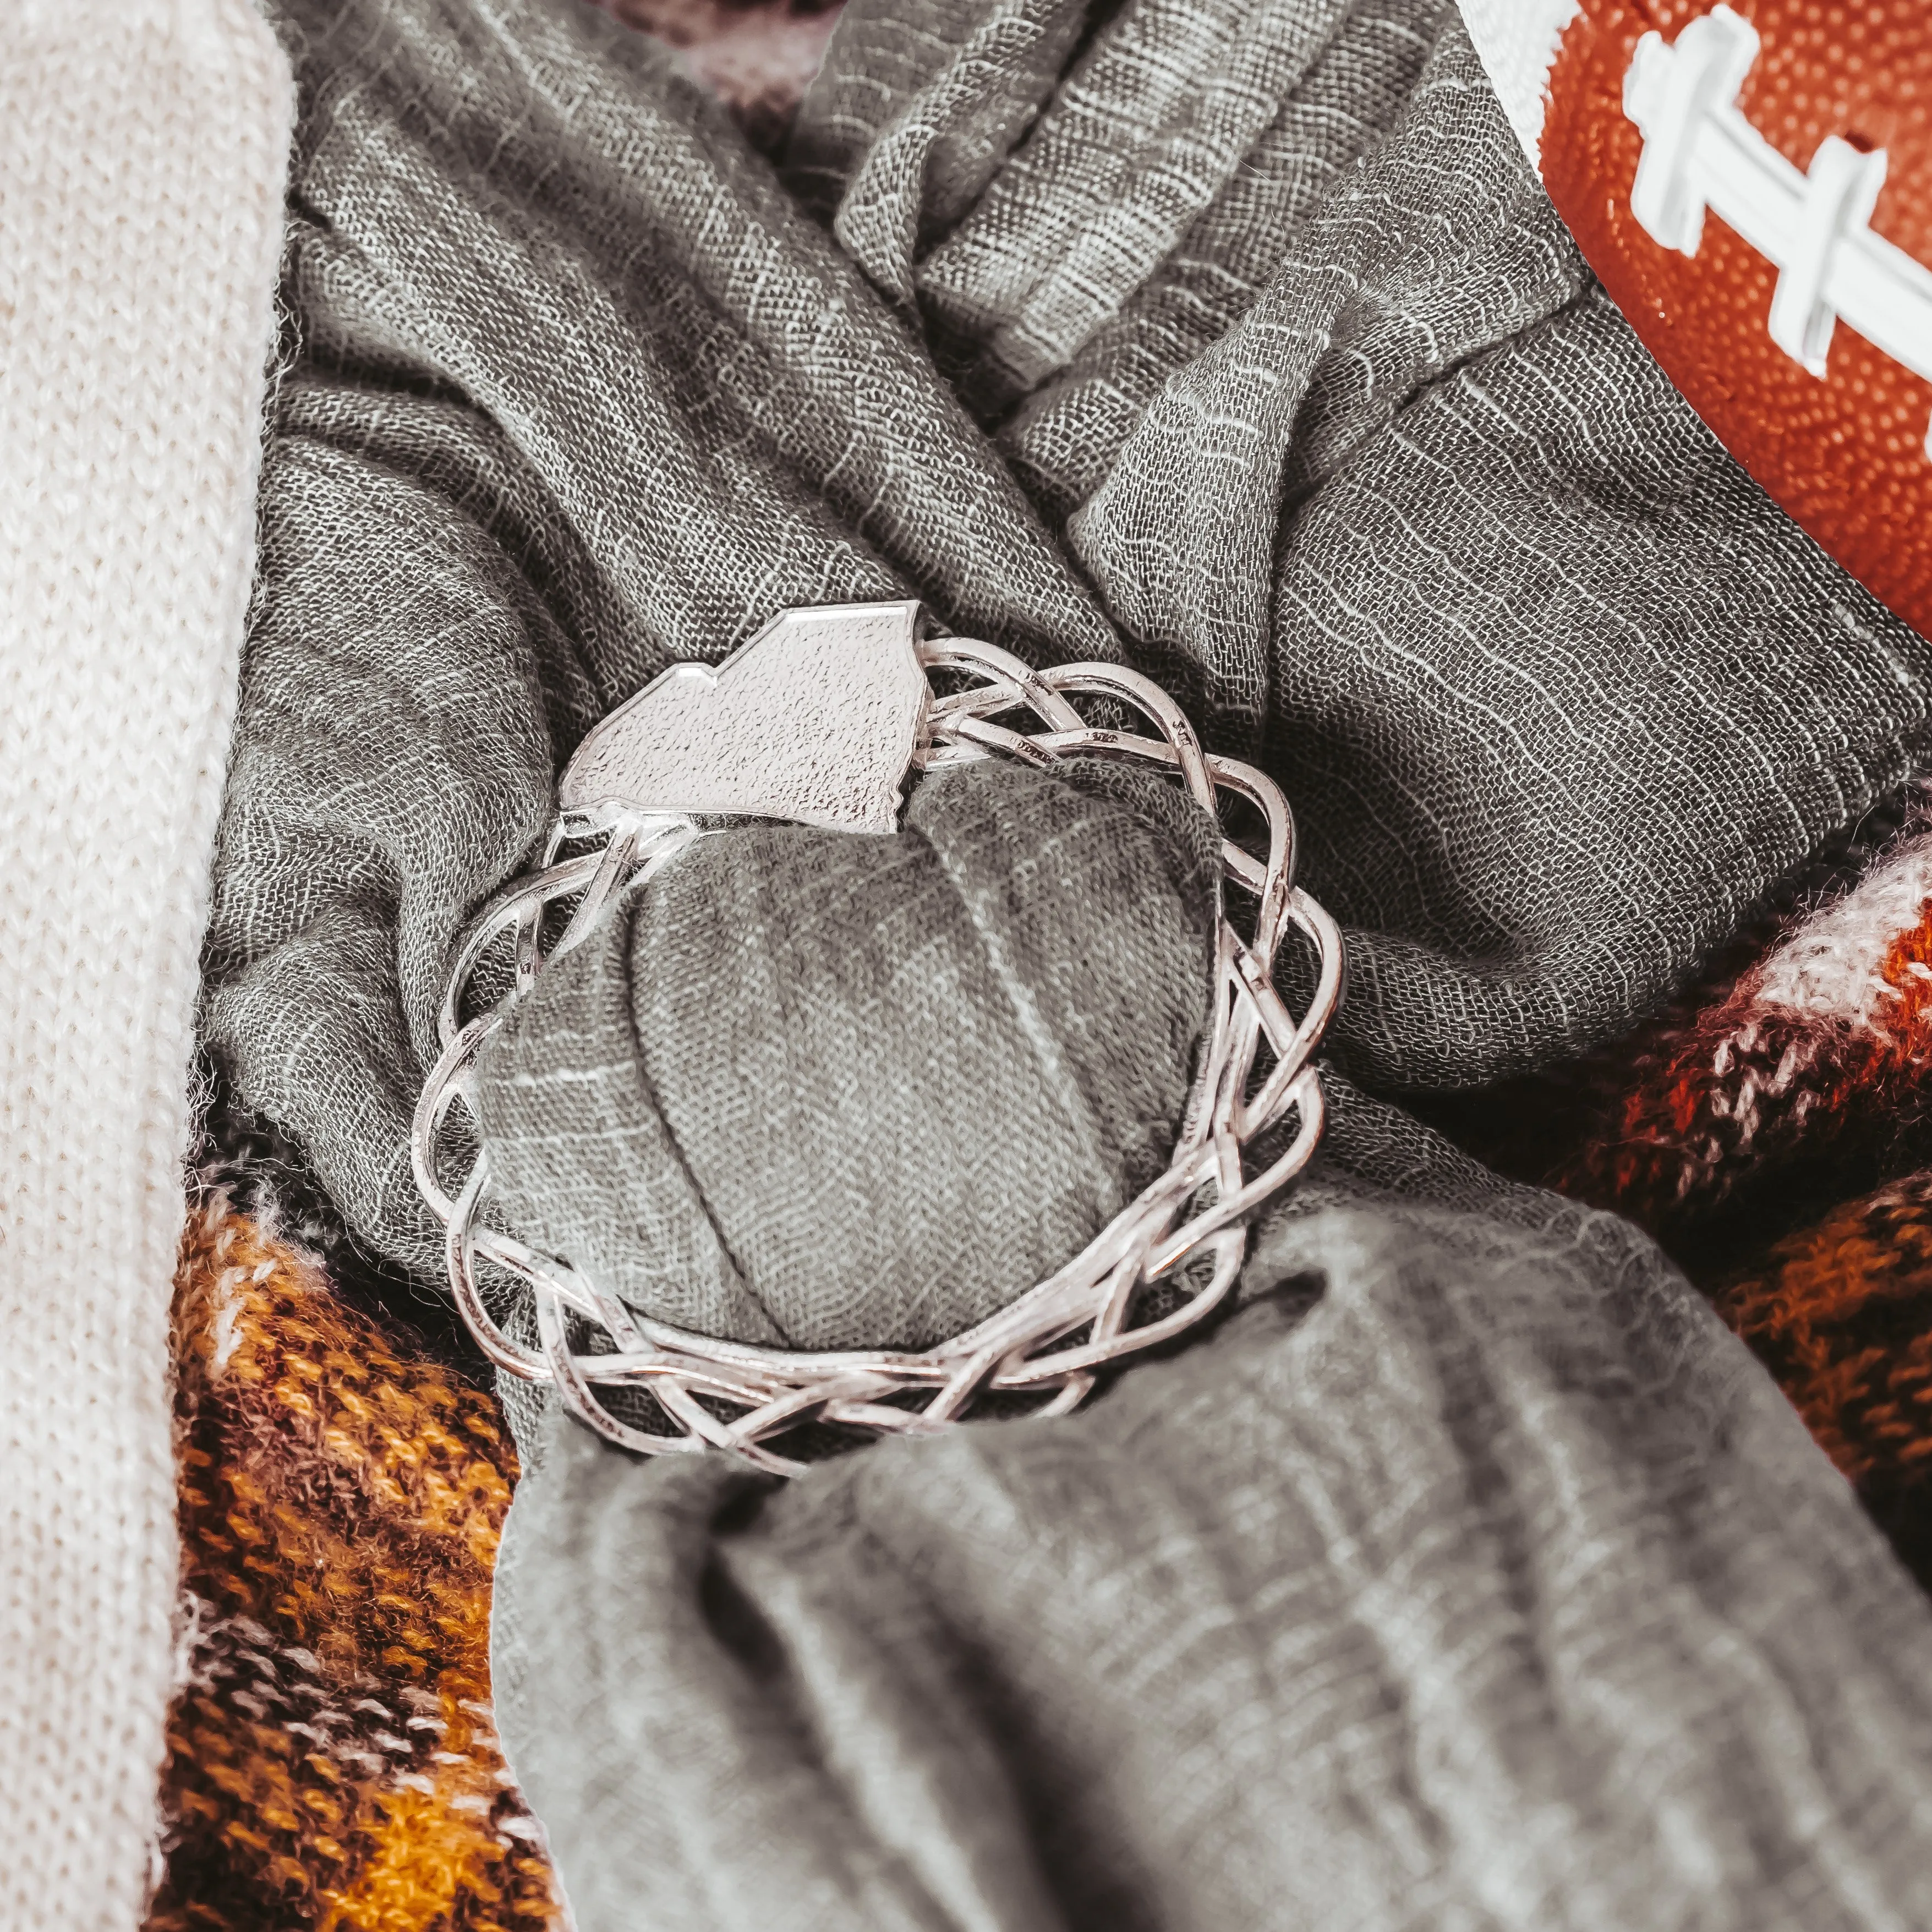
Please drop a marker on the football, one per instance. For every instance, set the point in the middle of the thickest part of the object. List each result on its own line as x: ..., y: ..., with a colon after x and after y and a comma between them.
x: 1752, y: 183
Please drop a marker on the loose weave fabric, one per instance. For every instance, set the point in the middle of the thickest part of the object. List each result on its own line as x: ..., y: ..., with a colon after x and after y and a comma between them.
x: 579, y: 393
x: 838, y: 1091
x: 1471, y: 1576
x: 1301, y: 399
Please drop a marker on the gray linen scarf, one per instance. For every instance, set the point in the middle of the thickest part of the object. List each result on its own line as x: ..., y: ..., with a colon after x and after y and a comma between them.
x: 1470, y: 1575
x: 1304, y: 401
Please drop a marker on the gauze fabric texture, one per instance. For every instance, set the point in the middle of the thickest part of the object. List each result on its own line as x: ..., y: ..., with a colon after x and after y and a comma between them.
x: 1471, y: 1576
x: 1290, y: 387
x: 828, y: 1091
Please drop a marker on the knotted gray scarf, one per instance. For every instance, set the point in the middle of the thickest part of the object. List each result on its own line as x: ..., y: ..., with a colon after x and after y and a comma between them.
x: 1303, y: 400
x: 1470, y: 1575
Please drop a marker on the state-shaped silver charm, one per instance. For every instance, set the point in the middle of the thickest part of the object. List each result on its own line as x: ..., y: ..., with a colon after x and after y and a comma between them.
x: 815, y: 720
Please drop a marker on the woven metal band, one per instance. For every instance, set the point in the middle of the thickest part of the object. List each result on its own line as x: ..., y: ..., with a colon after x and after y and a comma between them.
x: 1186, y: 1232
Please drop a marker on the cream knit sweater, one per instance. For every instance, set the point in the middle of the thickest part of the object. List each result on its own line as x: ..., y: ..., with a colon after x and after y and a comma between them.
x: 142, y: 148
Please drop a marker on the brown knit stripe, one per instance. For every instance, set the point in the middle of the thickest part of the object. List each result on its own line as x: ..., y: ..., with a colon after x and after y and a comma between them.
x: 332, y: 1761
x: 1842, y: 1314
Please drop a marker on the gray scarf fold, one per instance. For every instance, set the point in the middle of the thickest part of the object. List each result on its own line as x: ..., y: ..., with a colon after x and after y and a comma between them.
x: 827, y: 1091
x: 1471, y: 1577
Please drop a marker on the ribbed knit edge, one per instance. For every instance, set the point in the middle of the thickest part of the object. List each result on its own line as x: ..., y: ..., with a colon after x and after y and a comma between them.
x: 143, y: 147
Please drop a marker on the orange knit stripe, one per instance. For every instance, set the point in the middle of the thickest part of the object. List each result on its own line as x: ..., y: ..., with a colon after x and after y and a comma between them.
x: 332, y: 1762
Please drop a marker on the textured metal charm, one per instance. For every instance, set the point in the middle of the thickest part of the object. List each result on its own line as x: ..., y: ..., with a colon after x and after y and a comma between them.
x: 827, y: 751
x: 815, y: 720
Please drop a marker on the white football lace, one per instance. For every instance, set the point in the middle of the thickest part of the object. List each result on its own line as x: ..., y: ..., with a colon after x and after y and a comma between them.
x: 1701, y: 152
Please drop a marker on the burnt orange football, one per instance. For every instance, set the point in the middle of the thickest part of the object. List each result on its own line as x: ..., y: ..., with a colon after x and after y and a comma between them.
x: 1752, y: 182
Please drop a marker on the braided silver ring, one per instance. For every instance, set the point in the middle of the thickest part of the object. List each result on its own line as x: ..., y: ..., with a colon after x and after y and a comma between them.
x: 629, y: 798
